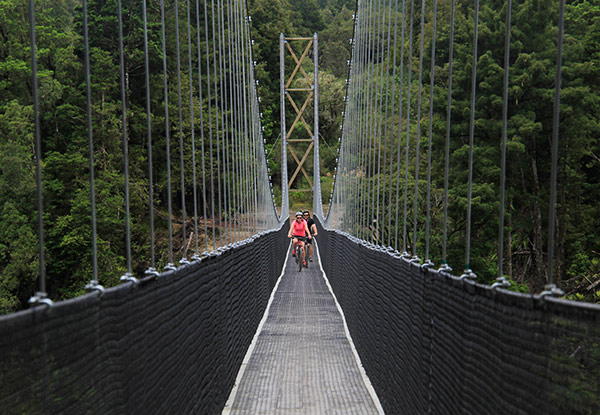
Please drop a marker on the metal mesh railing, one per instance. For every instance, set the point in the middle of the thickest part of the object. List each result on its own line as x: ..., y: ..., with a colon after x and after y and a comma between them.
x: 171, y: 337
x: 435, y: 343
x: 171, y: 344
x: 199, y: 164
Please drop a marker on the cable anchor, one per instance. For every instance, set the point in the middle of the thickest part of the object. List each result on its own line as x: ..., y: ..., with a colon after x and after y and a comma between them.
x: 129, y: 277
x: 151, y: 272
x: 468, y: 274
x: 501, y: 282
x: 94, y: 286
x: 40, y: 298
x: 427, y: 264
x: 551, y: 290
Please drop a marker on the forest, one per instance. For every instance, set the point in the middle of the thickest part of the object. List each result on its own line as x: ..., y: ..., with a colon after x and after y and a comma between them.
x: 65, y: 162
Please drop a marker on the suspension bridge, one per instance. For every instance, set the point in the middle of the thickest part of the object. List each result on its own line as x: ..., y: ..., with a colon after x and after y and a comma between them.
x: 222, y: 322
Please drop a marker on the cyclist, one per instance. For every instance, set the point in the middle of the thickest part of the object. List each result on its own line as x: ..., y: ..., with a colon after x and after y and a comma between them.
x: 299, y: 230
x: 312, y: 227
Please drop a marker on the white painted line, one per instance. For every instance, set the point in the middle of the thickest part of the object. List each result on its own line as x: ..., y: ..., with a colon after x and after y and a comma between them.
x: 238, y: 379
x: 361, y: 369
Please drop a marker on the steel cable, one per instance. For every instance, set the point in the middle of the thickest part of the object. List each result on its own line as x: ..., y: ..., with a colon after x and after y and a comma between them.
x: 379, y: 112
x: 180, y: 113
x: 504, y: 134
x: 555, y: 139
x: 170, y: 265
x: 38, y: 155
x: 445, y: 265
x: 193, y: 127
x: 359, y: 67
x: 385, y: 125
x: 210, y: 129
x: 431, y: 96
x: 399, y: 152
x: 468, y: 270
x: 200, y: 98
x: 408, y: 95
x: 228, y: 125
x: 218, y: 107
x: 393, y: 112
x: 373, y: 138
x: 236, y: 137
x: 94, y: 281
x: 363, y: 134
x: 125, y: 147
x: 152, y: 268
x: 378, y: 118
x: 418, y: 139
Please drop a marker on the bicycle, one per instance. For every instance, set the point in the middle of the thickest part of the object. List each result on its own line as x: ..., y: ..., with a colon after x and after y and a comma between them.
x: 301, y: 252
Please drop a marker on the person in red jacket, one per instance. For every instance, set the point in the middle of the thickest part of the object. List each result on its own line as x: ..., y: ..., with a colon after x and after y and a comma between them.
x: 299, y: 230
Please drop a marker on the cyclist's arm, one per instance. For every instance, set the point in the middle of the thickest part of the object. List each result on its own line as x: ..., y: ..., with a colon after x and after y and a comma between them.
x: 314, y: 233
x: 291, y: 228
x: 307, y: 231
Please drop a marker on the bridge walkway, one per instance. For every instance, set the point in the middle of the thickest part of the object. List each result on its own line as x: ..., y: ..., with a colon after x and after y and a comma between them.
x: 302, y: 361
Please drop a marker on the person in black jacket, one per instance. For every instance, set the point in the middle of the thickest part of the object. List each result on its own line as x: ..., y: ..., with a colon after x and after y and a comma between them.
x: 312, y: 227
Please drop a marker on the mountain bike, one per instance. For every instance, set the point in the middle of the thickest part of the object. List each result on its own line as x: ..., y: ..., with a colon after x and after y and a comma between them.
x: 301, y: 252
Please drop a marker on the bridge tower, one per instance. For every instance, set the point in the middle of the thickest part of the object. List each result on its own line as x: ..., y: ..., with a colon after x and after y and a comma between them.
x: 298, y: 142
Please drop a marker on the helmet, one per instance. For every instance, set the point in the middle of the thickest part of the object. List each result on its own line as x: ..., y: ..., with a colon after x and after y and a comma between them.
x: 299, y: 213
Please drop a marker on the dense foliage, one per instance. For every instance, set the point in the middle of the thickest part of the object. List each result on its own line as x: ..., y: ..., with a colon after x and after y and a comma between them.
x: 534, y: 36
x: 64, y: 132
x: 531, y: 98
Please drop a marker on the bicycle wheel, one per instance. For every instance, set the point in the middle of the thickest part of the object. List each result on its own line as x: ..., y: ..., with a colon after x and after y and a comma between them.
x: 306, y: 252
x: 300, y: 256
